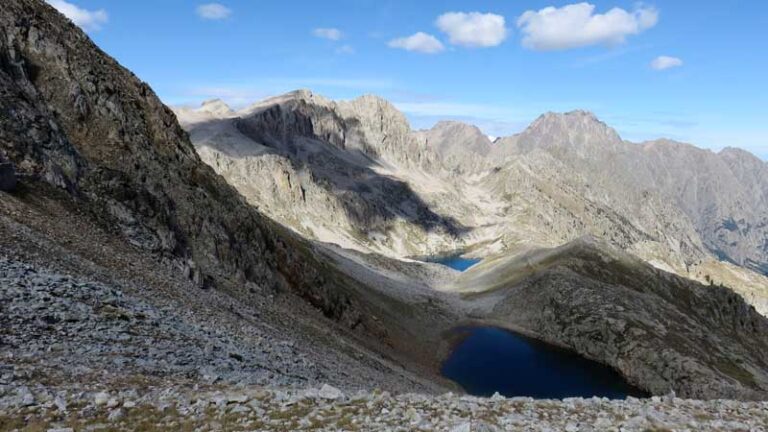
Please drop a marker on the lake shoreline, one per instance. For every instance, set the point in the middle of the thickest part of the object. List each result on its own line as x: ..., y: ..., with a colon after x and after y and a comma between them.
x: 524, y: 366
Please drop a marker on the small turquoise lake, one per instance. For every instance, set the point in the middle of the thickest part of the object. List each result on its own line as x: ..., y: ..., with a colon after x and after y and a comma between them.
x: 457, y: 262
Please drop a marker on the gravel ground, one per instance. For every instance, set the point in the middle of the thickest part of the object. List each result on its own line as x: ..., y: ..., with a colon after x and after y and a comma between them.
x: 56, y: 328
x: 242, y: 408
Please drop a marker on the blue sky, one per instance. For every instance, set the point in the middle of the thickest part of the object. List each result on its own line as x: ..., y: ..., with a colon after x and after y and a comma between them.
x: 689, y: 70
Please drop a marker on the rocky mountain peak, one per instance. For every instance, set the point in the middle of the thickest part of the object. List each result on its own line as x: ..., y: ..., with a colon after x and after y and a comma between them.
x: 306, y: 96
x: 742, y: 155
x: 378, y: 119
x: 289, y: 101
x: 216, y: 106
x: 457, y: 139
x: 376, y: 112
x: 578, y: 130
x: 578, y: 121
x: 457, y: 126
x: 374, y: 101
x: 208, y: 110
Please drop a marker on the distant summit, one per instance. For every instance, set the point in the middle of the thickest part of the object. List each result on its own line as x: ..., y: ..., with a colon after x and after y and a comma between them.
x: 457, y: 139
x: 216, y: 107
x: 580, y: 130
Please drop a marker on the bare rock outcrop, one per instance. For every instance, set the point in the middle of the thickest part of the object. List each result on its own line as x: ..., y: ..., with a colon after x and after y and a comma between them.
x: 325, y: 169
x: 661, y: 331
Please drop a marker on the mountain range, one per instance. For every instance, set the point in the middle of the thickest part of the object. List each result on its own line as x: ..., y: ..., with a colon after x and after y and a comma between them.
x: 266, y: 268
x: 353, y: 173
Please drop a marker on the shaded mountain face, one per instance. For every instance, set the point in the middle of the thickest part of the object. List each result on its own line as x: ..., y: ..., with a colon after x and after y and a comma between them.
x: 74, y: 119
x: 613, y: 307
x: 62, y: 99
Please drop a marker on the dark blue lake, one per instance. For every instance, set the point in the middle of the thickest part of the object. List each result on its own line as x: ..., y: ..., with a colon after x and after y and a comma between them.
x: 493, y: 360
x: 458, y: 263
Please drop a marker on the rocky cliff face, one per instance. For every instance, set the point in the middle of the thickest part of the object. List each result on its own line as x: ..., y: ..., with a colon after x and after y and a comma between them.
x: 725, y: 195
x: 328, y: 170
x: 720, y: 195
x: 74, y: 119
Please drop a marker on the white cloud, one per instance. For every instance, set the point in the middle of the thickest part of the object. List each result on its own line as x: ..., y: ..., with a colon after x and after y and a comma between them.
x: 576, y: 25
x: 473, y: 29
x: 666, y: 62
x: 345, y: 49
x: 419, y: 42
x: 328, y: 33
x: 213, y: 11
x: 87, y: 20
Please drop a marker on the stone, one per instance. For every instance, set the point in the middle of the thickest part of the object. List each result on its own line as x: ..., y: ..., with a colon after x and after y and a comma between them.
x: 240, y: 409
x: 23, y: 398
x: 101, y: 398
x: 330, y: 392
x: 237, y: 398
x: 115, y: 414
x: 670, y: 397
x: 497, y: 397
x: 464, y: 427
x: 479, y: 426
x: 413, y: 416
x: 61, y: 403
x: 602, y: 423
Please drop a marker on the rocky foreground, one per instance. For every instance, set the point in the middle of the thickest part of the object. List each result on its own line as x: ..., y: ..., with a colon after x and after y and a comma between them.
x: 132, y: 366
x: 329, y: 409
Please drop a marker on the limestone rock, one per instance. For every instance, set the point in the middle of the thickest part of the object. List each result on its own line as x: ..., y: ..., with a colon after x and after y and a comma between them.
x: 330, y: 392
